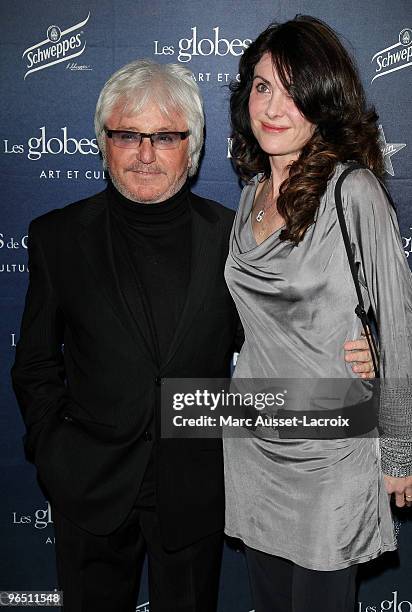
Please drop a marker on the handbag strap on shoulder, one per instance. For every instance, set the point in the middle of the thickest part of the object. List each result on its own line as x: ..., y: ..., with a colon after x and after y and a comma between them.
x: 360, y: 308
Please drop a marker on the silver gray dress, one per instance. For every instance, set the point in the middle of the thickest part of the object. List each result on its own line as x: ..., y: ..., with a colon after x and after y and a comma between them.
x: 322, y: 504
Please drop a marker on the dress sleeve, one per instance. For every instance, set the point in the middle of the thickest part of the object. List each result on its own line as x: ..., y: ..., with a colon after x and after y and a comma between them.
x: 383, y: 268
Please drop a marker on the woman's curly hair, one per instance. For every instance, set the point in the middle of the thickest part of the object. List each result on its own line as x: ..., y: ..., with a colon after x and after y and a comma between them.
x: 320, y: 76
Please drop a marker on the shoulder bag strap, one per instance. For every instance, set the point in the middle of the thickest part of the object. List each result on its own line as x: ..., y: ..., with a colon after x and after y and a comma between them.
x: 360, y: 308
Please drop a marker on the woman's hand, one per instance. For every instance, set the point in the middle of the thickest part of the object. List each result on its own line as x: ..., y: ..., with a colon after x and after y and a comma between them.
x: 358, y: 354
x: 401, y: 488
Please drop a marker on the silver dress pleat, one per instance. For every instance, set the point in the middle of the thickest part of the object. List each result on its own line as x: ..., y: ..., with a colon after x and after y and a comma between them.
x: 320, y: 503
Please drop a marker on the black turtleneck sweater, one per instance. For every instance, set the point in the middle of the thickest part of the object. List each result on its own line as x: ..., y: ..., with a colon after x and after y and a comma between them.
x: 157, y: 238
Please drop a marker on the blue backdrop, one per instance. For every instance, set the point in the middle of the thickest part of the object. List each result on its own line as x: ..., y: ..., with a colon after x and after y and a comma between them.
x: 55, y: 58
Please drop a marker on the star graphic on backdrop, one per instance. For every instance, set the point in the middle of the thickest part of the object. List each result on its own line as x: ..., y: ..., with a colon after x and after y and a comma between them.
x: 389, y: 149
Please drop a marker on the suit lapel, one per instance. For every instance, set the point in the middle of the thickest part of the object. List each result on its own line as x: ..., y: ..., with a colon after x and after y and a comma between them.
x: 204, y: 259
x: 95, y: 240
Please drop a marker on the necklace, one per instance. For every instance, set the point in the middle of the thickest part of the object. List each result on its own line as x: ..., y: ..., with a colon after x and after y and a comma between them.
x: 261, y: 213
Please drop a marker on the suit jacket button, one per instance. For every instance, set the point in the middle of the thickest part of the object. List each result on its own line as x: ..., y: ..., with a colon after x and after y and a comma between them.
x: 158, y: 381
x: 147, y: 436
x: 67, y: 418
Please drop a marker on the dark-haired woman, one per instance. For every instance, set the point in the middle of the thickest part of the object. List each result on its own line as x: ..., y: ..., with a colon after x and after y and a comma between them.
x: 309, y: 511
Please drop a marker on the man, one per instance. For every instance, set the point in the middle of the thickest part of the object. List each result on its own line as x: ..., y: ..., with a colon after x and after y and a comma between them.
x: 131, y: 282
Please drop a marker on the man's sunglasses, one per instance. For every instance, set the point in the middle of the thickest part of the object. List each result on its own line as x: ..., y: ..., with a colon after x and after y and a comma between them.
x: 133, y: 140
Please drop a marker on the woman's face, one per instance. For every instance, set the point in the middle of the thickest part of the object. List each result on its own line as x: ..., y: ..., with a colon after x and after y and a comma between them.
x: 278, y: 125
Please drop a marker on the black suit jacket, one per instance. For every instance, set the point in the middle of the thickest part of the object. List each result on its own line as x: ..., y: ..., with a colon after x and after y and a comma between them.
x: 91, y: 409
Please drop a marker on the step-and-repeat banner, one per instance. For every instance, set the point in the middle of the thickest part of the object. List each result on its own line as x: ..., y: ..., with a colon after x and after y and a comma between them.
x: 55, y: 58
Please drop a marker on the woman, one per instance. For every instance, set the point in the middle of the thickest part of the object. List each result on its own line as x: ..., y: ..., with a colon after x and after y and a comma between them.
x: 309, y: 511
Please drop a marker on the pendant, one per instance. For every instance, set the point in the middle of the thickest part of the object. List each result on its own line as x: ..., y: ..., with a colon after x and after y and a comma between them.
x: 260, y: 215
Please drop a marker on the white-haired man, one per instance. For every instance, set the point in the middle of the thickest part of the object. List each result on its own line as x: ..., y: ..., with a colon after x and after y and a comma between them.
x: 131, y: 282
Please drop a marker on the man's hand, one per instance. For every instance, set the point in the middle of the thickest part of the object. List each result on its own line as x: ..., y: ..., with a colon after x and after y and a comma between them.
x: 358, y: 354
x: 401, y: 488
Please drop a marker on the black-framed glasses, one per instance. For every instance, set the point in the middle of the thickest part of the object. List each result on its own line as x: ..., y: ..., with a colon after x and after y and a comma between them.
x: 132, y: 140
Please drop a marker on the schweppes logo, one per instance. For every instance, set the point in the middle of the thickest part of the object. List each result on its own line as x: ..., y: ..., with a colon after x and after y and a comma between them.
x: 58, y: 46
x: 394, y: 58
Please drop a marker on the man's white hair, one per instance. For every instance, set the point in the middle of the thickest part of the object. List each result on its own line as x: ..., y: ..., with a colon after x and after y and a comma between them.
x: 144, y: 82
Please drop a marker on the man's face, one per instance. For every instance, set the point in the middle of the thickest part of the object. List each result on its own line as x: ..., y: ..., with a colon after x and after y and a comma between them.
x: 146, y: 174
